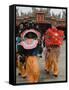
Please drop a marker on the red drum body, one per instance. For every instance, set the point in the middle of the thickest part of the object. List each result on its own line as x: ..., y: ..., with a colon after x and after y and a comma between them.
x: 54, y: 37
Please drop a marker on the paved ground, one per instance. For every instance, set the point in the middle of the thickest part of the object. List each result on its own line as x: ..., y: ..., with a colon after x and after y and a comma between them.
x: 44, y: 77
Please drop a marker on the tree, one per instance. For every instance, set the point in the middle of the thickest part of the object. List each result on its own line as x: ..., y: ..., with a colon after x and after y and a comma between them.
x: 17, y: 14
x: 48, y: 11
x: 53, y: 14
x: 58, y: 16
x: 33, y: 9
x: 22, y: 14
x: 64, y: 14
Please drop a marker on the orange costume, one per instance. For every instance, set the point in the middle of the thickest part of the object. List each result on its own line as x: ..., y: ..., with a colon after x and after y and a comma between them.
x: 53, y: 41
x: 32, y: 69
x: 29, y: 45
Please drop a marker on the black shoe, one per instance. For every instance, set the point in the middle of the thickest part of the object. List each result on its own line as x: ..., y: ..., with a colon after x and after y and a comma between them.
x: 47, y: 71
x: 55, y: 75
x: 19, y: 74
x: 40, y: 56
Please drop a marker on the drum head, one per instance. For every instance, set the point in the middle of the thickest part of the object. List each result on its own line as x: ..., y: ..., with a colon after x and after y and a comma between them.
x: 30, y: 39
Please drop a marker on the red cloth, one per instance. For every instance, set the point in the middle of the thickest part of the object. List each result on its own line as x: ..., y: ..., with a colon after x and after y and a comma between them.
x: 54, y: 37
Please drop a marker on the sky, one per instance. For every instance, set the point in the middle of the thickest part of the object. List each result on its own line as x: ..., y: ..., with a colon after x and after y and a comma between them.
x: 29, y: 9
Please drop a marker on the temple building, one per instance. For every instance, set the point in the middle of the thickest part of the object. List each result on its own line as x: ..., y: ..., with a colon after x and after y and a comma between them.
x: 41, y: 16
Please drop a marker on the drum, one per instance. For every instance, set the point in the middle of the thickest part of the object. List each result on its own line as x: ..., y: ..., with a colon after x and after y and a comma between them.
x: 30, y: 39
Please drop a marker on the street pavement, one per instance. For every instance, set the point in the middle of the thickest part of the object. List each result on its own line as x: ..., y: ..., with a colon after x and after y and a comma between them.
x: 44, y: 77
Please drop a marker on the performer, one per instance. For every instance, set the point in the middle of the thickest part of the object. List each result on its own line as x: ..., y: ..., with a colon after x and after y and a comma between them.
x: 29, y: 42
x: 53, y: 40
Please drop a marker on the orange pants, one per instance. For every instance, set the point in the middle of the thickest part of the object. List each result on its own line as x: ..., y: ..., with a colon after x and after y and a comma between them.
x: 21, y: 69
x: 32, y: 69
x: 51, y: 60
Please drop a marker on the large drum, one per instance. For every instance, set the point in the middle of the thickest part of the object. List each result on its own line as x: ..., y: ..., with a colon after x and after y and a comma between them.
x: 54, y: 36
x: 30, y: 39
